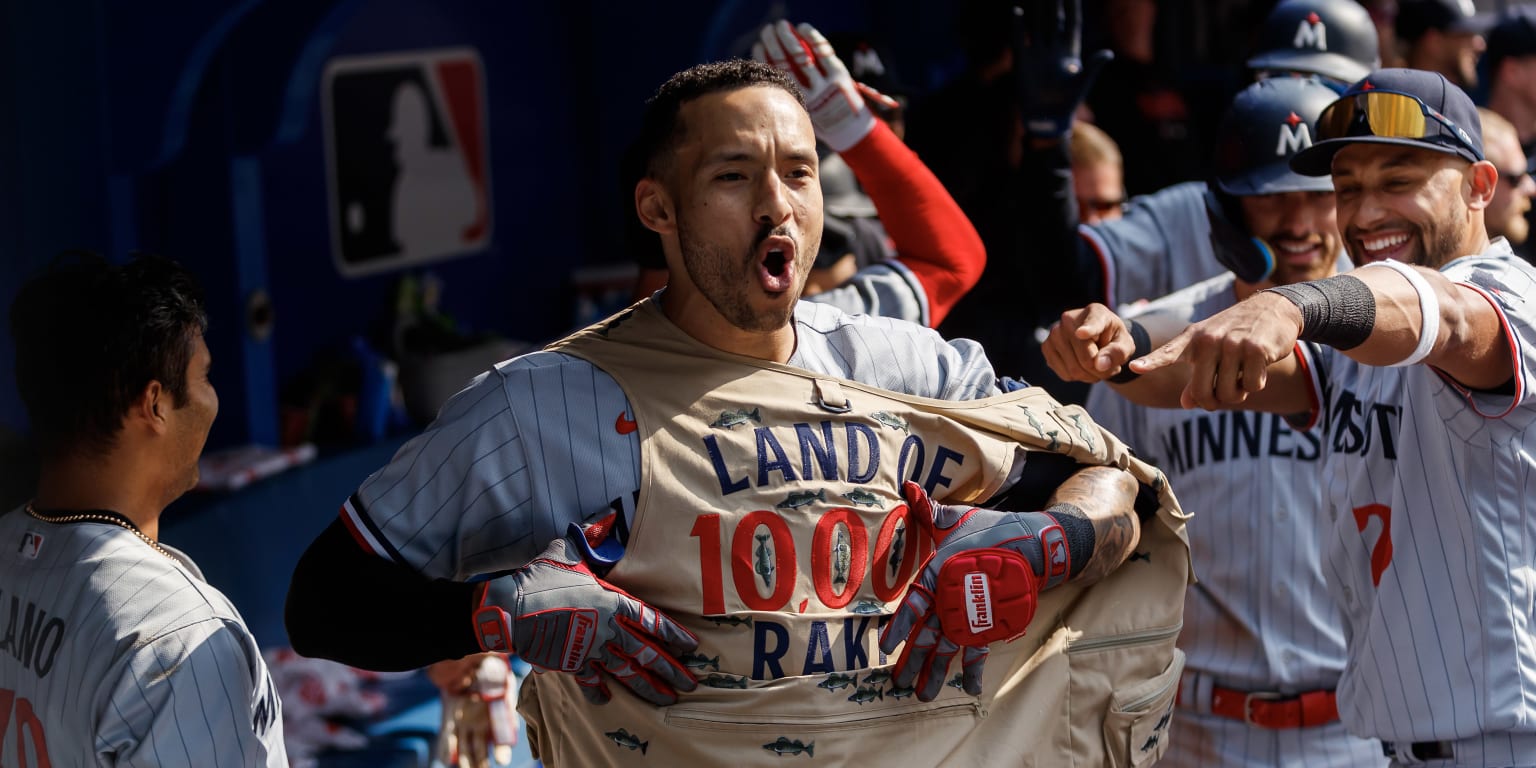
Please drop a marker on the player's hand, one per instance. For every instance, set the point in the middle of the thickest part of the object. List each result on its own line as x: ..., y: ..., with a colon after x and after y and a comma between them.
x: 1250, y: 258
x: 561, y: 617
x: 836, y: 102
x: 1089, y: 344
x: 1051, y: 78
x: 1230, y: 352
x: 979, y: 586
x: 479, y: 726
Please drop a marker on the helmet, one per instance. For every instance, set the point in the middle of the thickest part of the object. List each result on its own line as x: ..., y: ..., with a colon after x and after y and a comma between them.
x: 1267, y: 123
x: 1335, y: 39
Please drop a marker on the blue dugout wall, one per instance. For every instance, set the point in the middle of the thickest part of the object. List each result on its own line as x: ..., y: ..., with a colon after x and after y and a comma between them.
x: 196, y: 129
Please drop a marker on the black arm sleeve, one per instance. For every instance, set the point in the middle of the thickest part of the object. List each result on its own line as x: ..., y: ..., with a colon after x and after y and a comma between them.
x: 351, y: 606
x: 1063, y: 272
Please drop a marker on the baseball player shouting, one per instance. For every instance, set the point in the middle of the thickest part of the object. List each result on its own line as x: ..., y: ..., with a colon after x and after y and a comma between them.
x: 753, y: 582
x: 1419, y: 367
x: 115, y: 651
x: 1263, y: 640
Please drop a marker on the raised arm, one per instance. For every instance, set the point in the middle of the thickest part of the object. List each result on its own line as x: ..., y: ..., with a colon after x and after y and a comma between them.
x: 933, y: 237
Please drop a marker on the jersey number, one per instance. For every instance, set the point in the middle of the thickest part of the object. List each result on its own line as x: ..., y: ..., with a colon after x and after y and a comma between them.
x: 28, y: 728
x: 1381, y: 551
x: 751, y: 558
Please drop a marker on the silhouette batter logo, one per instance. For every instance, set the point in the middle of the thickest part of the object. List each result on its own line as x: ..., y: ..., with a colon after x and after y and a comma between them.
x: 407, y: 158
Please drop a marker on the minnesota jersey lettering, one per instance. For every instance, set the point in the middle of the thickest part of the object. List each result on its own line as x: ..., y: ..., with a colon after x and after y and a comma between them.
x: 1356, y: 426
x: 1231, y: 435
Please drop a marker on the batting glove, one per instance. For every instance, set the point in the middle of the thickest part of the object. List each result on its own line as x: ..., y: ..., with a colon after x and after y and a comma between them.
x: 980, y: 586
x: 479, y: 727
x: 559, y: 616
x: 1048, y: 70
x: 836, y: 102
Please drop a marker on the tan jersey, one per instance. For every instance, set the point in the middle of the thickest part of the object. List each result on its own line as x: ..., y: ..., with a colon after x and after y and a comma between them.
x: 770, y: 523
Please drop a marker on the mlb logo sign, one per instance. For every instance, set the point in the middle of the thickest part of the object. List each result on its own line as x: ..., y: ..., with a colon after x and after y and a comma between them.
x: 407, y: 158
x: 31, y: 545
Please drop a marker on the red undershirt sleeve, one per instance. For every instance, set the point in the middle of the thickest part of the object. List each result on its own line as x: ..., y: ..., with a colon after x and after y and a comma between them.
x: 933, y: 237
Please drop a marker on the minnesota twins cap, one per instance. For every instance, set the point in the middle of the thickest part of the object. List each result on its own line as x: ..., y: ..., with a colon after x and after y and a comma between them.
x: 1415, y: 17
x: 1381, y: 109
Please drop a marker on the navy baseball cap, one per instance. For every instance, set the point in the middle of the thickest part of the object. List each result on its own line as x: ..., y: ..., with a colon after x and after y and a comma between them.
x: 1415, y: 17
x: 1409, y: 107
x: 1514, y: 35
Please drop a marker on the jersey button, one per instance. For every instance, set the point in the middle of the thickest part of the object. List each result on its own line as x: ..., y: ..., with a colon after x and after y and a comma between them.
x: 1281, y: 515
x: 1349, y: 595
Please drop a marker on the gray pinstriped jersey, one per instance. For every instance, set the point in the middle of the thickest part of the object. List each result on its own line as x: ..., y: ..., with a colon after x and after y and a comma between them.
x: 1432, y: 555
x: 542, y: 441
x: 1260, y: 618
x: 1162, y: 244
x: 887, y: 289
x: 116, y: 656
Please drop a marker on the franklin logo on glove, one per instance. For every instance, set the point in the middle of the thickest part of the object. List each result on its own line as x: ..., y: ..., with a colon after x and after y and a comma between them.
x: 978, y: 606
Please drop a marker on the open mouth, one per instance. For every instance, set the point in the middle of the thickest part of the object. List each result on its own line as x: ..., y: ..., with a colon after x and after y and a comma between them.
x: 776, y: 264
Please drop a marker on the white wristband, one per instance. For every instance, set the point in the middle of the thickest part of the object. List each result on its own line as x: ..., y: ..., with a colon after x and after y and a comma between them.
x: 1429, y: 311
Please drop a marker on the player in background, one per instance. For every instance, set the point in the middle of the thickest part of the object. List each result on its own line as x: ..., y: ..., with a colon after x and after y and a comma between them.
x: 1164, y: 240
x: 1264, y: 642
x: 669, y: 450
x: 1508, y: 214
x: 117, y: 652
x: 1098, y: 175
x: 1419, y: 367
x: 938, y: 255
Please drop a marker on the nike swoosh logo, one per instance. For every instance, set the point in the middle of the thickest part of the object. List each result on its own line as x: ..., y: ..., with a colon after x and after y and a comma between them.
x: 624, y: 426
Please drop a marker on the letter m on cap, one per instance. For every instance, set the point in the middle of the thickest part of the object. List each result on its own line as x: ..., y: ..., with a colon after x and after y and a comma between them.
x: 1293, y: 138
x: 1310, y: 33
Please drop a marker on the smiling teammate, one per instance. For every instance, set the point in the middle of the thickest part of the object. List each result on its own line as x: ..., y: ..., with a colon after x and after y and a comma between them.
x: 1420, y: 367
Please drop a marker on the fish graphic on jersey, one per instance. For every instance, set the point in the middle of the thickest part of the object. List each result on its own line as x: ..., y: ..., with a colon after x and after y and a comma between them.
x: 842, y: 557
x: 892, y: 421
x: 624, y: 738
x: 862, y: 498
x: 784, y: 746
x: 800, y: 499
x: 733, y: 419
x: 764, y: 560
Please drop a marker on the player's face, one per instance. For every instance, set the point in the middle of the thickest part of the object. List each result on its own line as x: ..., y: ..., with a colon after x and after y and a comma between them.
x: 1401, y: 203
x: 1100, y: 192
x: 1301, y: 227
x: 1512, y: 197
x: 192, y: 419
x: 748, y: 203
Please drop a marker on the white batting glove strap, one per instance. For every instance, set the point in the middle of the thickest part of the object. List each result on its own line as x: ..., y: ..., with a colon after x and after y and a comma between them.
x: 838, y: 111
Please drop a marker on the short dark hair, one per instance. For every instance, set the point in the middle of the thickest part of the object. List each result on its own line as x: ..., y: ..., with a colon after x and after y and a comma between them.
x: 660, y: 130
x: 90, y: 336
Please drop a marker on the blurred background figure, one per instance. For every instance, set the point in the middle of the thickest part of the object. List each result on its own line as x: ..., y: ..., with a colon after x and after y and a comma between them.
x: 1506, y: 215
x: 1444, y: 36
x: 1509, y: 71
x: 1098, y: 174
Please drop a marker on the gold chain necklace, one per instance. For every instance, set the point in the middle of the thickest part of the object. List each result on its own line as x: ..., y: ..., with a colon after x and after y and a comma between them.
x: 81, y: 517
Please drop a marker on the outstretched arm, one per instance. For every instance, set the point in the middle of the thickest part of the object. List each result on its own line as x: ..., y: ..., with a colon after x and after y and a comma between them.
x: 1377, y: 314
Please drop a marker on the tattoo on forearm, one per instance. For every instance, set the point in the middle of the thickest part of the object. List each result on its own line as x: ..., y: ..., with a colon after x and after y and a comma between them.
x: 1107, y: 497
